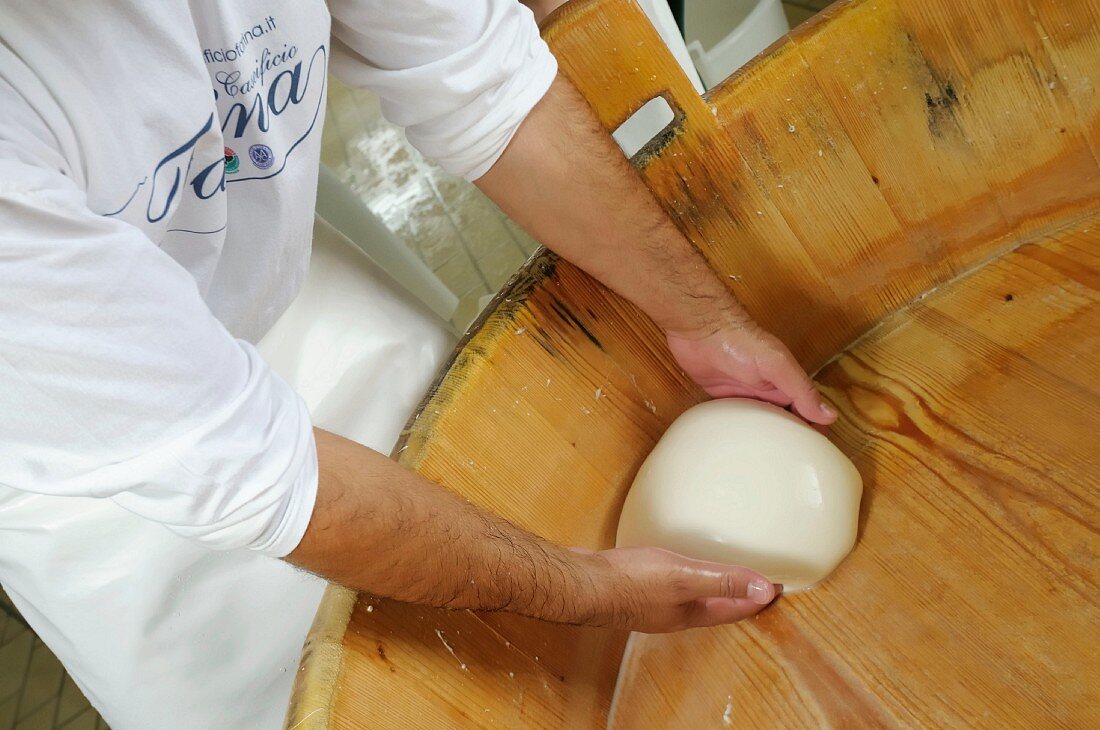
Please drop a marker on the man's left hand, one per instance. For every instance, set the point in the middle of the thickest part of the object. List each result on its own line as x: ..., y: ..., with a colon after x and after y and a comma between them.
x: 740, y: 359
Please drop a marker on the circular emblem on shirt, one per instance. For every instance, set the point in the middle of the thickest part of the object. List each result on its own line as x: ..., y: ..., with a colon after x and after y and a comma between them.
x: 232, y: 162
x: 261, y: 156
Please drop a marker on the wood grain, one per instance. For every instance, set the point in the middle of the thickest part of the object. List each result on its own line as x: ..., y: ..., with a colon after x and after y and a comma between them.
x: 907, y: 193
x: 971, y: 596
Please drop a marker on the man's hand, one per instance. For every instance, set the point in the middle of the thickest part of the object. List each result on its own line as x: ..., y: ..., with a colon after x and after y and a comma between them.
x: 739, y: 359
x: 655, y: 591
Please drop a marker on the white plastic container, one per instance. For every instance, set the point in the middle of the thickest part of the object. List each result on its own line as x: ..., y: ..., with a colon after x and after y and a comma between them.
x: 648, y: 121
x: 723, y: 35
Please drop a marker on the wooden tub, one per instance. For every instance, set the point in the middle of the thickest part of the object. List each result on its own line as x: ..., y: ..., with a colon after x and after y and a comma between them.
x: 908, y: 193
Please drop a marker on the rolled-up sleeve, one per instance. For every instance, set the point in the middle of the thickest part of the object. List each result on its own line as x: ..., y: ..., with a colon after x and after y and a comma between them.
x: 117, y: 382
x: 460, y: 77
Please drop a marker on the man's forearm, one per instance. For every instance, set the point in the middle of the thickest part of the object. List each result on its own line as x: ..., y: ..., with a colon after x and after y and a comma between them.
x: 382, y: 529
x: 563, y: 179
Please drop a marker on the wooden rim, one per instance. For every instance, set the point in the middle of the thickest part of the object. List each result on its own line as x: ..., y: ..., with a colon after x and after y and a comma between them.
x: 311, y: 700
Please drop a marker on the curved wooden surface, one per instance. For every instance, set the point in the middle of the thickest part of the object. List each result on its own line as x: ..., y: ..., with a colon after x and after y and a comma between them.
x: 908, y: 194
x: 971, y: 599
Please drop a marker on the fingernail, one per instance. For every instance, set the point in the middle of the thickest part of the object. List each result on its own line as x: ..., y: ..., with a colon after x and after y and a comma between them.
x: 827, y: 409
x: 759, y: 591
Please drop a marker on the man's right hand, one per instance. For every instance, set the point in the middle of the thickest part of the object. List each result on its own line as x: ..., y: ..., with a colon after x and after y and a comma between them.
x: 656, y: 591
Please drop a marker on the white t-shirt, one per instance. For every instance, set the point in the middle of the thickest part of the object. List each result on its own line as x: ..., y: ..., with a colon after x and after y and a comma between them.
x: 158, y: 167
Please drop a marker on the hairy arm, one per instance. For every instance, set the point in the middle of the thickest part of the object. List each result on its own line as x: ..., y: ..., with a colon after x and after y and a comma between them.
x: 379, y: 528
x: 563, y: 179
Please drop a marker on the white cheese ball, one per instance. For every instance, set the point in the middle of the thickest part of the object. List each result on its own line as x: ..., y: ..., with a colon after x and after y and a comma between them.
x: 746, y: 483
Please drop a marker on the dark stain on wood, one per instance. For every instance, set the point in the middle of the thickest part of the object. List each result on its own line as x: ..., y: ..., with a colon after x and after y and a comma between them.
x: 568, y: 317
x: 542, y: 339
x: 386, y: 659
x: 938, y: 108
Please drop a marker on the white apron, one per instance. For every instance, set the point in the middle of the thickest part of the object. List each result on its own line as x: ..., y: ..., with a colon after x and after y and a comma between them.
x: 160, y: 632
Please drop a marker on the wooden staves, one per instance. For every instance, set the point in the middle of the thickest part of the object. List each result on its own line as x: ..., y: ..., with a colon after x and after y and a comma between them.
x: 908, y: 194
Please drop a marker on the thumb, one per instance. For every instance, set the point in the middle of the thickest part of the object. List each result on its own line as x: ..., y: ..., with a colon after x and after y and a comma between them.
x: 726, y: 594
x: 811, y: 406
x: 805, y: 400
x: 703, y: 580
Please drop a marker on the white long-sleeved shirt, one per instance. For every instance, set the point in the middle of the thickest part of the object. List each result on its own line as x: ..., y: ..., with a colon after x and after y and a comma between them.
x: 158, y: 168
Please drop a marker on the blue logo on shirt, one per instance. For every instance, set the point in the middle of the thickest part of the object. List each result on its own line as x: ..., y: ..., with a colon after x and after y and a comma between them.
x: 261, y: 156
x: 297, y: 90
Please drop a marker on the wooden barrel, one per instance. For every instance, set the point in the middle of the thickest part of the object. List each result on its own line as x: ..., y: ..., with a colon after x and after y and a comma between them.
x: 907, y: 192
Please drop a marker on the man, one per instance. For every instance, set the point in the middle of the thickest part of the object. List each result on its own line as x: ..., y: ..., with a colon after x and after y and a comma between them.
x: 158, y: 166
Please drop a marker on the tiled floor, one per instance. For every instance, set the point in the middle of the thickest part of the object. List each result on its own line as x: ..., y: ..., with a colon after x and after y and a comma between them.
x: 35, y: 691
x: 470, y: 245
